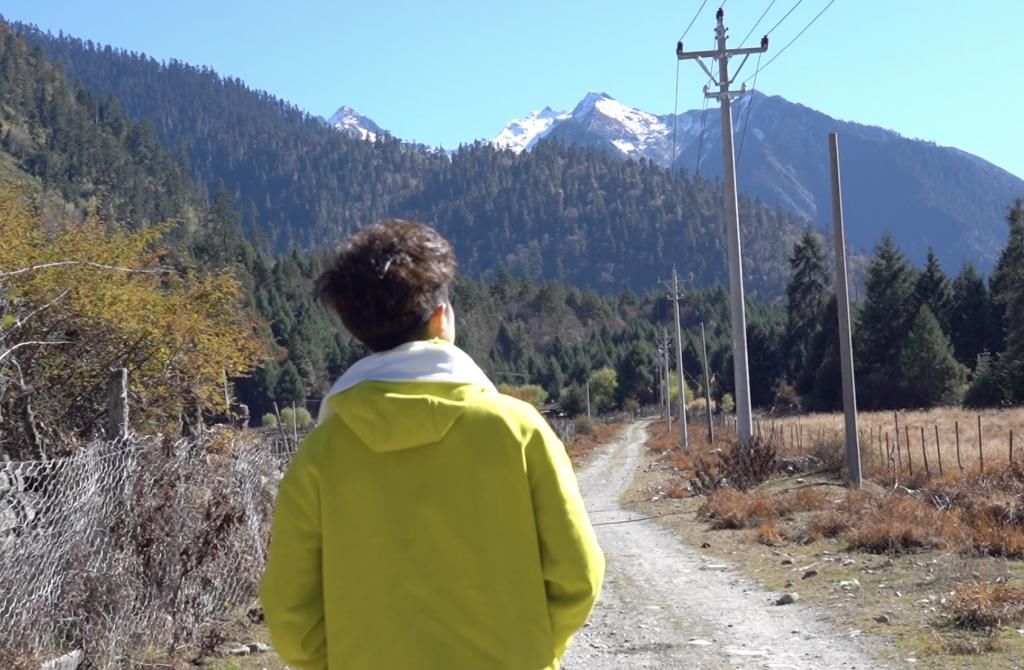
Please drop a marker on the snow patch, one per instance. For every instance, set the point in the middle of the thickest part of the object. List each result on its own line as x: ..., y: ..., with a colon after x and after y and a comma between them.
x: 523, y: 134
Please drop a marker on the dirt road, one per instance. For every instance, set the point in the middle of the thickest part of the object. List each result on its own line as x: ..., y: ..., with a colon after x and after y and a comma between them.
x: 665, y: 606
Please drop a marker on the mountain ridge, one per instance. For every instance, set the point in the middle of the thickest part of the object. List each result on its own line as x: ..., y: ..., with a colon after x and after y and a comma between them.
x: 786, y: 164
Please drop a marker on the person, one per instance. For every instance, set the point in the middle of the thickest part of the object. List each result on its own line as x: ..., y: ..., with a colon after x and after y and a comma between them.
x: 428, y: 521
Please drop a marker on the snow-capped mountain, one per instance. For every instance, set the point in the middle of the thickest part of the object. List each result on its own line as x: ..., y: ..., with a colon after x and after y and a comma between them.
x: 601, y: 121
x: 928, y: 195
x: 523, y: 134
x: 354, y: 124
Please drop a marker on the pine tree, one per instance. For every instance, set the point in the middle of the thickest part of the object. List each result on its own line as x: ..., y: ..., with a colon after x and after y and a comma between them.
x: 884, y: 324
x: 929, y: 373
x: 970, y: 320
x: 933, y: 290
x: 986, y: 388
x: 807, y: 294
x: 1008, y: 292
x: 827, y: 393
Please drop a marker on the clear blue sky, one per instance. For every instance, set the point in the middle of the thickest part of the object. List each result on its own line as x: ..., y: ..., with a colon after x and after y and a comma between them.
x: 445, y: 72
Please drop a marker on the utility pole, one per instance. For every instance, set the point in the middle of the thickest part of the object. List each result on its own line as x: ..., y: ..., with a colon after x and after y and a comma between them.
x: 675, y: 296
x: 845, y: 336
x: 744, y: 425
x: 707, y: 386
x: 663, y: 346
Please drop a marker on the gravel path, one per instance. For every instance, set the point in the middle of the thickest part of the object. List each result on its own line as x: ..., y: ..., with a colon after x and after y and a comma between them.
x: 665, y: 606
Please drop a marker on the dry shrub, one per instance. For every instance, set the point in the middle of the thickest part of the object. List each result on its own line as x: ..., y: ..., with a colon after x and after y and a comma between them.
x: 830, y: 449
x: 986, y: 607
x: 582, y: 444
x: 996, y: 539
x: 740, y: 467
x: 806, y: 500
x: 678, y: 490
x: 968, y: 646
x: 680, y: 460
x: 900, y: 524
x: 839, y: 520
x: 727, y: 508
x: 769, y: 533
x: 828, y: 524
x: 660, y: 440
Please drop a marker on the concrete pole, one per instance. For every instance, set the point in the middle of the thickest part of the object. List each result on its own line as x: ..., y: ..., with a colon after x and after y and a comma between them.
x: 845, y: 335
x: 738, y: 310
x: 707, y: 385
x: 679, y: 359
x: 668, y: 379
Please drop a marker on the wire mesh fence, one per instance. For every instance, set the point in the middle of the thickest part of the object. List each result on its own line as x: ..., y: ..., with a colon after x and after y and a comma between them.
x: 139, y: 543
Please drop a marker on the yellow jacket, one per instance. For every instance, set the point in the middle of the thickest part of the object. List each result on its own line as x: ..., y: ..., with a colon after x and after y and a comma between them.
x: 428, y: 523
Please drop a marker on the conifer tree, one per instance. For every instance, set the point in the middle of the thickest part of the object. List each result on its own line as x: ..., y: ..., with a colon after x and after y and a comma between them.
x: 1008, y: 292
x: 970, y: 318
x: 883, y: 325
x: 933, y: 290
x: 929, y: 373
x: 807, y: 294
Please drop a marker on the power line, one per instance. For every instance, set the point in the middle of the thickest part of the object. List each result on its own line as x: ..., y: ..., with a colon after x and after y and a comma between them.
x: 758, y: 22
x: 779, y: 22
x: 750, y: 106
x: 700, y: 142
x: 790, y: 43
x: 693, y: 20
x: 675, y: 122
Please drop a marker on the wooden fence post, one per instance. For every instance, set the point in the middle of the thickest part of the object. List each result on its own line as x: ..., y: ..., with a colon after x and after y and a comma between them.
x: 1011, y: 445
x: 906, y: 441
x: 899, y: 452
x: 956, y: 428
x: 117, y: 404
x: 938, y: 449
x: 981, y: 452
x: 924, y: 456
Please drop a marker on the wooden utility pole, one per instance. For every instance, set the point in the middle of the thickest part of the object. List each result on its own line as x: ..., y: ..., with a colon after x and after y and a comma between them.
x: 707, y: 385
x: 845, y: 336
x: 675, y: 296
x: 744, y: 422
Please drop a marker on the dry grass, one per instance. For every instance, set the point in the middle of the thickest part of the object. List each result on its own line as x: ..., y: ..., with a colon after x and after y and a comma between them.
x: 729, y: 508
x: 901, y: 523
x: 800, y: 434
x: 770, y: 534
x: 581, y: 445
x: 986, y: 607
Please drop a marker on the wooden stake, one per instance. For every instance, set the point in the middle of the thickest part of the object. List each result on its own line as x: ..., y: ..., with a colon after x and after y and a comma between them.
x: 956, y: 428
x: 938, y: 449
x: 910, y: 462
x: 981, y: 452
x: 924, y: 456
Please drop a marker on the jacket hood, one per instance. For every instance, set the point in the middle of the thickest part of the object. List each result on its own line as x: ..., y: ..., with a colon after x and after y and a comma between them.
x: 407, y: 396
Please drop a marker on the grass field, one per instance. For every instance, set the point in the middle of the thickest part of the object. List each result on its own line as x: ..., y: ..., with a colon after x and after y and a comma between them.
x: 935, y: 559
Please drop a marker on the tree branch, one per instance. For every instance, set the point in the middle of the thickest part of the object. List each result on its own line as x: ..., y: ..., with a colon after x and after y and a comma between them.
x: 19, y: 345
x: 22, y: 321
x: 88, y: 264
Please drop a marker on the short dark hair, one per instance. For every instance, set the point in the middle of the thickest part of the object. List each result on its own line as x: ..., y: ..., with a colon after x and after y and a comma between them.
x: 386, y: 280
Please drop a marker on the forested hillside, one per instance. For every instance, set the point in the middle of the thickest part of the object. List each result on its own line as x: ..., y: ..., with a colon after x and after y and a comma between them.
x: 192, y: 303
x: 560, y: 212
x: 85, y: 188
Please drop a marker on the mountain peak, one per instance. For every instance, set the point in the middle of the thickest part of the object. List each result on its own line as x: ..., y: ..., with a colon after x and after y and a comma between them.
x: 354, y: 124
